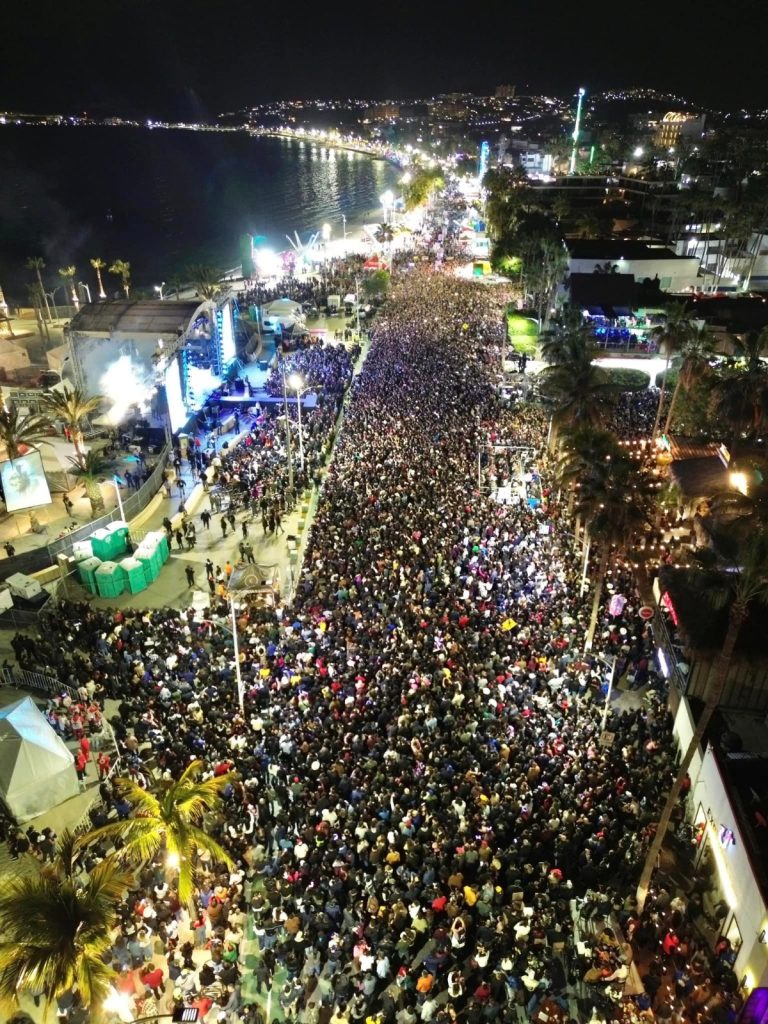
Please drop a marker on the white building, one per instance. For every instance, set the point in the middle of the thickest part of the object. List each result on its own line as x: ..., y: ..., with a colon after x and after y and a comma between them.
x: 727, y: 803
x: 674, y: 273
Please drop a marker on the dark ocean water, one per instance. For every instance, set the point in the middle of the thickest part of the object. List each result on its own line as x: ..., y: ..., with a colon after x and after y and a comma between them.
x: 165, y: 199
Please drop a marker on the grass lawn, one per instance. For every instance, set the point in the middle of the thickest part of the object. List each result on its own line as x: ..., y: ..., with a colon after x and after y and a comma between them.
x: 523, y: 334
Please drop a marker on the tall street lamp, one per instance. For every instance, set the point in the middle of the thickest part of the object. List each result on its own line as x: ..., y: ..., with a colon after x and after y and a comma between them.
x: 287, y: 426
x: 298, y: 386
x: 159, y: 290
x: 236, y: 642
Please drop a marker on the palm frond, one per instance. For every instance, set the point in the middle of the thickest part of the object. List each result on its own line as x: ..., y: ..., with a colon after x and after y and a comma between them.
x: 140, y: 799
x: 142, y: 837
x: 203, y: 841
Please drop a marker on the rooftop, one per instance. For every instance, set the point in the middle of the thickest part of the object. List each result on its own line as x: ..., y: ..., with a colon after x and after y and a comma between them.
x: 140, y: 317
x: 601, y: 249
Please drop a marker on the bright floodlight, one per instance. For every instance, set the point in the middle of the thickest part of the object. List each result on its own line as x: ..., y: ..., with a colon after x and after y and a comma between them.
x: 119, y: 1003
x: 638, y: 151
x: 267, y: 262
x: 326, y: 232
x: 387, y: 199
x: 406, y: 178
x: 296, y: 382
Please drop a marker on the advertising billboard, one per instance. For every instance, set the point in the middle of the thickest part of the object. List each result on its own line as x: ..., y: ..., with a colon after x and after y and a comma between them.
x: 24, y: 482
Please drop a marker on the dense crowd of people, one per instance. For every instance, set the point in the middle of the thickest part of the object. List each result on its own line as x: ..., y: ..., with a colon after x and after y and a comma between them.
x: 424, y: 786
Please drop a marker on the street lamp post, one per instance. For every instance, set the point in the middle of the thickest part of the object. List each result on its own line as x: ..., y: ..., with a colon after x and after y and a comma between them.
x: 344, y: 225
x: 607, y: 705
x: 159, y: 290
x: 357, y: 305
x: 116, y: 484
x: 287, y: 427
x: 238, y: 673
x: 52, y: 296
x: 86, y: 289
x: 297, y: 384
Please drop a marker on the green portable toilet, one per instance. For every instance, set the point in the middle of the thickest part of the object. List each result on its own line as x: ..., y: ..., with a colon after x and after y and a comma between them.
x: 119, y: 531
x: 86, y: 571
x: 110, y: 580
x: 151, y: 568
x: 162, y: 544
x: 134, y: 571
x: 101, y: 542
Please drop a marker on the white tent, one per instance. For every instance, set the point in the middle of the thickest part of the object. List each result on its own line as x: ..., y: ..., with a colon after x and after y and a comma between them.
x: 284, y: 312
x: 36, y: 768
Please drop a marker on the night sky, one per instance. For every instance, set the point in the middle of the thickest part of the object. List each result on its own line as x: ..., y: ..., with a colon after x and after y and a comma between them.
x: 196, y: 58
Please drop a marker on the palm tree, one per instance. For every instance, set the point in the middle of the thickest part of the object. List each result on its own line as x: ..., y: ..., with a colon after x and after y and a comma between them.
x: 98, y: 265
x: 172, y: 820
x: 56, y: 926
x: 583, y: 453
x: 73, y: 407
x: 91, y: 468
x: 19, y: 431
x: 582, y: 392
x: 697, y: 350
x: 739, y: 397
x: 739, y: 590
x: 122, y: 269
x: 67, y: 274
x: 205, y: 279
x: 384, y: 234
x: 671, y: 338
x: 37, y: 263
x: 615, y: 513
x: 566, y: 341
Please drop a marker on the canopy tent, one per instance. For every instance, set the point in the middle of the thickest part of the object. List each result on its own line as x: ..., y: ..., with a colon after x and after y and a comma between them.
x: 284, y: 312
x: 36, y: 768
x: 375, y: 263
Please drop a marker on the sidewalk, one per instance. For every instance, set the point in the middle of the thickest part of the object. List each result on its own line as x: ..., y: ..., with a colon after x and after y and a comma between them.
x: 171, y: 587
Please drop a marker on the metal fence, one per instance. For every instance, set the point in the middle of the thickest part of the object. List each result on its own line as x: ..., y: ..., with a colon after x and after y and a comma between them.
x: 29, y: 562
x: 85, y: 823
x: 132, y: 505
x: 23, y: 618
x: 23, y: 678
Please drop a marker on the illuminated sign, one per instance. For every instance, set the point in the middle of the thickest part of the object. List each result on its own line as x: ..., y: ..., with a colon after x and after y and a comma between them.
x: 666, y: 600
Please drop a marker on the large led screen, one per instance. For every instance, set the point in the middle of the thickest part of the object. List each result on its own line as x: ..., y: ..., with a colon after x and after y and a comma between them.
x: 228, y: 347
x: 177, y: 410
x: 24, y: 483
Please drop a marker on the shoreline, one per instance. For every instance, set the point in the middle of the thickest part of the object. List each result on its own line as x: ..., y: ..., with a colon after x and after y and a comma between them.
x: 166, y: 260
x: 315, y: 138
